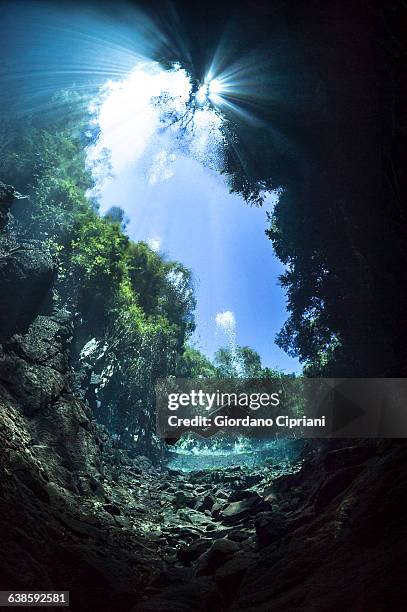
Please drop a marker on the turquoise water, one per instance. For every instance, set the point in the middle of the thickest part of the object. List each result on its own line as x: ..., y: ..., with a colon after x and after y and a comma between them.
x: 198, y: 455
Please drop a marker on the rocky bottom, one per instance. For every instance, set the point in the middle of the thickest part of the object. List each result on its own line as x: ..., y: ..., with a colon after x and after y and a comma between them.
x: 317, y: 534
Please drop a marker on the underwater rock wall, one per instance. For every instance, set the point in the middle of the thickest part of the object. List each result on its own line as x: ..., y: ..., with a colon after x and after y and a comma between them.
x: 53, y: 455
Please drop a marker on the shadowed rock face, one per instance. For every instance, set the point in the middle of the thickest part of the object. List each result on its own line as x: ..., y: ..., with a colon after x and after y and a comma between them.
x: 309, y: 550
x: 350, y: 551
x: 34, y: 366
x: 26, y: 276
x: 26, y: 273
x: 54, y: 529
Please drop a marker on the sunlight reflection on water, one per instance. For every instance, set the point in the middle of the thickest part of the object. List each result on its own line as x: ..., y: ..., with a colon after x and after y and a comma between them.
x: 278, y: 453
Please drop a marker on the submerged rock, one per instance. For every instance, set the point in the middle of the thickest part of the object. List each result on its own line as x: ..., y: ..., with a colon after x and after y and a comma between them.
x: 191, y: 553
x: 112, y: 509
x: 205, y: 503
x: 184, y: 499
x: 220, y: 551
x: 240, y: 510
x: 27, y: 272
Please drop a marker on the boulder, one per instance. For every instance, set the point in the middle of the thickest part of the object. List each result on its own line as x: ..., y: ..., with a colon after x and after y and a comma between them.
x: 220, y: 494
x: 89, y: 485
x: 216, y: 509
x: 184, y: 499
x: 240, y: 494
x: 221, y: 551
x: 240, y: 510
x: 239, y: 535
x: 27, y: 272
x: 188, y: 554
x: 205, y: 503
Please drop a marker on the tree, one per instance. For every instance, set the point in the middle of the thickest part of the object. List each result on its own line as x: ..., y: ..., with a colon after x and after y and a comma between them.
x: 328, y: 139
x: 241, y: 362
x: 193, y: 364
x: 115, y: 214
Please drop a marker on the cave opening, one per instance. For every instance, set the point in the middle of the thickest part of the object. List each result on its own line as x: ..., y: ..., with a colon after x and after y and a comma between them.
x: 206, y: 193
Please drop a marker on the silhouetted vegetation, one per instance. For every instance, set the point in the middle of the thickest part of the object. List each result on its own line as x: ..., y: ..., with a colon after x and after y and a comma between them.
x: 320, y: 119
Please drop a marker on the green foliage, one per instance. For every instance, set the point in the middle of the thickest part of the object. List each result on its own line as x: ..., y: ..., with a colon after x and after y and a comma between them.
x: 45, y: 159
x: 133, y: 304
x: 147, y: 275
x: 242, y: 362
x: 193, y: 364
x: 238, y: 362
x: 99, y: 251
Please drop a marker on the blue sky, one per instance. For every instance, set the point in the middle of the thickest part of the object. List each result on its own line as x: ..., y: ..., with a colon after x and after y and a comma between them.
x: 193, y: 218
x: 169, y: 184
